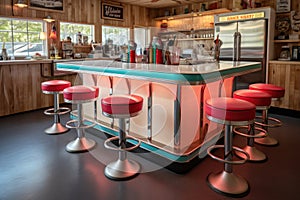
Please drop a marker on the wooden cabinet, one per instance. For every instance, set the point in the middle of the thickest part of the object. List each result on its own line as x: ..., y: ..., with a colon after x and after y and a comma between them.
x: 21, y: 87
x: 287, y: 75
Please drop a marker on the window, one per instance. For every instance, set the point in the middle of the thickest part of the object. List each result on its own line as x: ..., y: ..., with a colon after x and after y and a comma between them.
x: 21, y: 37
x: 142, y: 37
x: 72, y: 29
x: 115, y: 35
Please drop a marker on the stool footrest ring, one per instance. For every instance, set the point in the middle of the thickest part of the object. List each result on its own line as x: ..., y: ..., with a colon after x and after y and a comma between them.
x: 77, y: 126
x: 235, y: 162
x: 61, y: 111
x: 261, y: 134
x: 277, y: 124
x: 110, y: 140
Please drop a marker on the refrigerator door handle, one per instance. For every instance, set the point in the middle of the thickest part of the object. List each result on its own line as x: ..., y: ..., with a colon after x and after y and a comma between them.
x: 237, y: 46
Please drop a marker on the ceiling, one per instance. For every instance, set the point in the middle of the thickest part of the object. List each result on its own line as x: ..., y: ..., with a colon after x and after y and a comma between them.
x: 159, y: 3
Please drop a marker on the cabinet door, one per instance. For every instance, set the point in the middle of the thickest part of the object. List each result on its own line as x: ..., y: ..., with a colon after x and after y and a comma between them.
x: 288, y: 76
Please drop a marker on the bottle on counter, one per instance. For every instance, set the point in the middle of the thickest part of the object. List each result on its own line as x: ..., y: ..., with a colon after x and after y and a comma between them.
x: 52, y: 51
x: 150, y: 54
x: 131, y: 48
x: 124, y: 53
x: 157, y: 46
x: 4, y: 52
x: 145, y: 56
x: 79, y: 38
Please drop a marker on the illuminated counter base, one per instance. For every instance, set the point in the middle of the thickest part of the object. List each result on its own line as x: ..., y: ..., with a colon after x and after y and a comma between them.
x: 172, y: 124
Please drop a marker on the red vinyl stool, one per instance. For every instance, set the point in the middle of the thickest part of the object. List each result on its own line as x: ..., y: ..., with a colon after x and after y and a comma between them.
x: 56, y: 87
x: 79, y: 95
x: 262, y: 101
x: 122, y: 107
x: 276, y: 93
x: 230, y: 112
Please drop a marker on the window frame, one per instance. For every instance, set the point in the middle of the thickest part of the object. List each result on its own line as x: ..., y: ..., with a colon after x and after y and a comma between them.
x: 121, y: 27
x: 13, y: 32
x: 147, y: 36
x: 74, y: 37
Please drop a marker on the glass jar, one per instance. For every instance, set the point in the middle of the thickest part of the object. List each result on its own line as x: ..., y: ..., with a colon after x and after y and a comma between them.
x: 285, y: 53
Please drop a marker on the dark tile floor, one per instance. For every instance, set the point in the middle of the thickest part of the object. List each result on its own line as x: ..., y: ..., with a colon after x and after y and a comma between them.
x: 36, y: 166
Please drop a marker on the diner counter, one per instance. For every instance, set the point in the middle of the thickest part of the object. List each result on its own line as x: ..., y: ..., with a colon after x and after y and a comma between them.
x: 172, y: 126
x: 22, y: 62
x: 175, y: 74
x: 46, y: 61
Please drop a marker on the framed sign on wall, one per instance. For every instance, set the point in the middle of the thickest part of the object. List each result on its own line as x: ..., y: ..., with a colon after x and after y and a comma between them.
x: 109, y: 11
x: 54, y: 5
x: 283, y: 6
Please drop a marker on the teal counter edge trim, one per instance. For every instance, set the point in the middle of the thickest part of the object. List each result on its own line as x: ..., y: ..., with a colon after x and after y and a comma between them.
x: 152, y: 149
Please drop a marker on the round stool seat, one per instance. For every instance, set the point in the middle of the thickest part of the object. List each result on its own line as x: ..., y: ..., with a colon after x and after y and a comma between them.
x: 55, y: 85
x: 274, y: 90
x: 119, y: 105
x: 258, y: 98
x: 81, y: 93
x: 230, y: 109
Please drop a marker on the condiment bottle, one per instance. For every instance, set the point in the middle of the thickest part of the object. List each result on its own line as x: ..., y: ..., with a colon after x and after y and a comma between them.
x: 157, y: 50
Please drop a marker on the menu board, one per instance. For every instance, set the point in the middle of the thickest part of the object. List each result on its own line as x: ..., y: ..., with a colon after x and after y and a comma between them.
x: 112, y: 11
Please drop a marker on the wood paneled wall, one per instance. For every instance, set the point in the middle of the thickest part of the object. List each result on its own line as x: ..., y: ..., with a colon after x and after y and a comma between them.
x: 229, y: 4
x: 286, y: 75
x: 89, y: 12
x: 81, y: 11
x: 20, y: 86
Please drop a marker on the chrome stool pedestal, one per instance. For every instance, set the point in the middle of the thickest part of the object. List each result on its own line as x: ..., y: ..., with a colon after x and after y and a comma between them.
x: 79, y: 95
x: 226, y: 181
x: 262, y: 101
x: 56, y: 111
x: 81, y: 143
x: 276, y: 93
x: 255, y: 155
x: 122, y: 168
x: 265, y: 124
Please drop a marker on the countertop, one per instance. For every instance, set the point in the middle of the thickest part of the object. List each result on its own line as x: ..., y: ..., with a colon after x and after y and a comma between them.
x: 43, y: 61
x: 174, y: 74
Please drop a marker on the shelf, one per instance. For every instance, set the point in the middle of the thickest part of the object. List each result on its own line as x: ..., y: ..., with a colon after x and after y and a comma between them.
x: 184, y: 31
x: 194, y: 14
x: 195, y: 39
x: 286, y: 41
x: 82, y: 46
x: 290, y: 62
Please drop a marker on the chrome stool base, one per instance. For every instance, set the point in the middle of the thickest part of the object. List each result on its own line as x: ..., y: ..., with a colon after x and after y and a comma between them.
x: 254, y: 154
x: 82, y: 144
x: 122, y: 169
x: 268, y: 141
x: 56, y: 128
x: 228, y: 183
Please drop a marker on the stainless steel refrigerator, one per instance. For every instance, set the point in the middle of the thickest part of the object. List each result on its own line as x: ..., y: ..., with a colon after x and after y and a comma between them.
x: 254, y: 27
